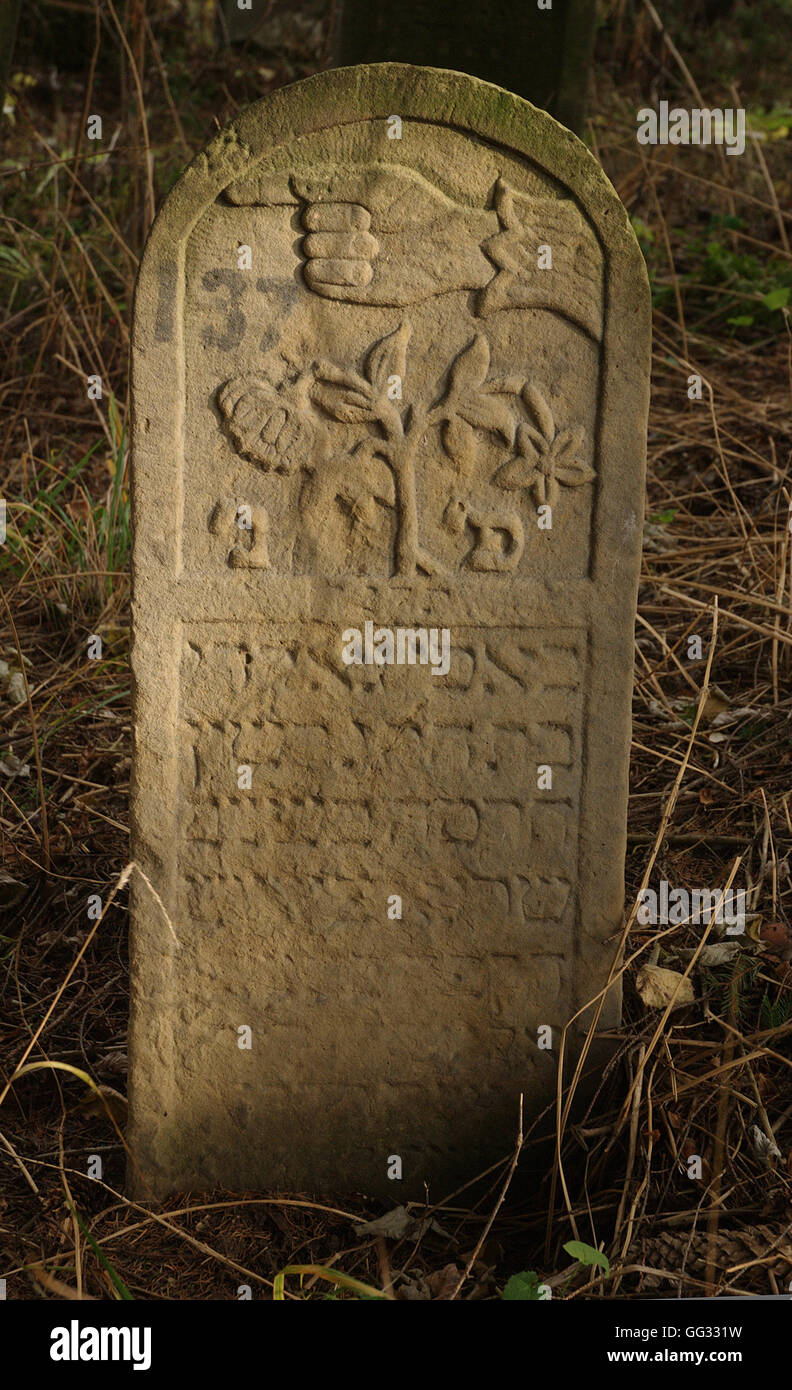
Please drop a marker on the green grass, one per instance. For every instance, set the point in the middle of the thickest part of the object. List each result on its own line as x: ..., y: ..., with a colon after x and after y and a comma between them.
x: 93, y: 534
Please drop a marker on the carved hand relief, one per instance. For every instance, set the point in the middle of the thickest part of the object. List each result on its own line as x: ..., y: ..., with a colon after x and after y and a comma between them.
x: 280, y: 425
x: 384, y: 235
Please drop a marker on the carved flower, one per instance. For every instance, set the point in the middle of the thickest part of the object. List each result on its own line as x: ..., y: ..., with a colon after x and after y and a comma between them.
x: 474, y: 400
x: 268, y: 424
x: 544, y: 458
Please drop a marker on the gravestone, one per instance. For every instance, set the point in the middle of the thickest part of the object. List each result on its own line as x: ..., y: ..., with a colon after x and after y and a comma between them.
x: 540, y: 49
x: 390, y: 372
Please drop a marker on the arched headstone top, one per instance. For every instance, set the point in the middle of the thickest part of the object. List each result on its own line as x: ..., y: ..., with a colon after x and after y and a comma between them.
x: 378, y: 92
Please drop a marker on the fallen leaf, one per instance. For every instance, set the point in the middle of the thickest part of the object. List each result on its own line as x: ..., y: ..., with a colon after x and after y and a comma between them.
x: 775, y: 935
x: 716, y: 704
x: 12, y: 766
x: 658, y: 987
x: 764, y: 1145
x: 15, y: 689
x: 717, y: 953
x: 730, y: 716
x: 396, y: 1224
x: 443, y: 1281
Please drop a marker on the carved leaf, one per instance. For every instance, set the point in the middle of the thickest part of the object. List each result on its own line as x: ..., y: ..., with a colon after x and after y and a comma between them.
x: 536, y: 405
x: 342, y: 376
x: 344, y: 402
x: 567, y: 468
x: 519, y: 472
x: 487, y: 412
x: 388, y: 357
x: 459, y: 442
x: 469, y: 370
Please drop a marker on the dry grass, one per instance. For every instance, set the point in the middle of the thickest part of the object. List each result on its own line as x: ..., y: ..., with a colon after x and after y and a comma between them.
x: 710, y: 782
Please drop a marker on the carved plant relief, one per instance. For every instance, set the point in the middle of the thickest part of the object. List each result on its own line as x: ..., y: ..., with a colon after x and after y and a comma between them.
x: 269, y: 425
x: 280, y: 425
x: 544, y: 458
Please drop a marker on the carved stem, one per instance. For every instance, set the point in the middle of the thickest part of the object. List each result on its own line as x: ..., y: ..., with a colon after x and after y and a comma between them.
x: 403, y: 464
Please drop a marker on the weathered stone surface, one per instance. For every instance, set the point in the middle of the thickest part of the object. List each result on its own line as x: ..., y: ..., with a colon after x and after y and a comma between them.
x: 285, y: 494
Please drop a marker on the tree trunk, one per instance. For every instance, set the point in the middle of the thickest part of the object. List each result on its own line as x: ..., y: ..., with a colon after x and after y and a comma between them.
x: 406, y: 510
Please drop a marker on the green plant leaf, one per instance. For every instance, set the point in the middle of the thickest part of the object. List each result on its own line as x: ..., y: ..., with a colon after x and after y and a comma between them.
x: 777, y: 299
x: 333, y: 1276
x: 587, y: 1255
x: 118, y: 1283
x: 523, y: 1287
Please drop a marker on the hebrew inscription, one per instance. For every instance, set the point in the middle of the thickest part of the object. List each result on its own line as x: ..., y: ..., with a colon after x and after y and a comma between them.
x: 389, y: 420
x: 323, y: 740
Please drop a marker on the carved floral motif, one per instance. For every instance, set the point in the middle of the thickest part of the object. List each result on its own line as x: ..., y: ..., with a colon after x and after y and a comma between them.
x: 269, y: 425
x: 275, y: 424
x: 544, y: 458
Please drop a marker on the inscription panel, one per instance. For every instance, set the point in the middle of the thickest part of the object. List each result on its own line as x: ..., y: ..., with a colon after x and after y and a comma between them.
x: 365, y: 783
x: 371, y: 781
